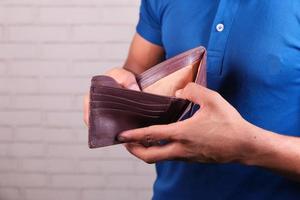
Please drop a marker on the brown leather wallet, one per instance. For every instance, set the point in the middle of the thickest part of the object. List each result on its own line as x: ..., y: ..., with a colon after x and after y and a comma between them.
x: 114, y: 109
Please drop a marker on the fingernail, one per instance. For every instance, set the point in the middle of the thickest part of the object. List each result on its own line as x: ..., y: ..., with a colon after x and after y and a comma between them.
x: 121, y: 138
x: 178, y: 93
x: 134, y: 87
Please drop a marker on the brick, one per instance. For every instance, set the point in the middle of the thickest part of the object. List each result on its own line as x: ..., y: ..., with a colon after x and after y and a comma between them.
x: 10, y: 194
x: 38, y: 68
x: 144, y: 168
x: 61, y: 166
x: 1, y: 32
x: 65, y: 85
x: 32, y: 102
x: 144, y: 194
x: 126, y: 15
x: 78, y: 181
x: 117, y: 152
x: 38, y: 33
x: 64, y: 119
x: 121, y: 181
x: 8, y: 164
x: 69, y: 15
x: 47, y: 165
x: 5, y: 101
x: 71, y: 51
x: 45, y: 102
x: 50, y: 194
x: 49, y: 2
x: 4, y: 149
x: 29, y: 134
x: 58, y: 103
x: 19, y: 85
x: 3, y: 67
x: 107, y: 166
x: 82, y: 136
x: 109, y: 194
x: 92, y: 68
x: 18, y: 51
x: 26, y: 150
x: 122, y: 3
x: 115, y: 51
x: 6, y: 134
x: 22, y: 180
x: 20, y: 118
x: 74, y: 2
x: 72, y: 151
x: 17, y: 14
x: 59, y: 135
x: 32, y: 165
x: 103, y: 33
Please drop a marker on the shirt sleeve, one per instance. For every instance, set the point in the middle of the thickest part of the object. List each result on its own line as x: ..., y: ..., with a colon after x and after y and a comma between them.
x: 149, y: 22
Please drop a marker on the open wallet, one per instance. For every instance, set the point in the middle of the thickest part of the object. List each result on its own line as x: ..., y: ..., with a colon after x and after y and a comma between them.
x: 114, y: 109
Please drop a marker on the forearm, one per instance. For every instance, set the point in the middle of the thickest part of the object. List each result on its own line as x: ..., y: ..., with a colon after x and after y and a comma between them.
x: 142, y: 55
x: 270, y: 150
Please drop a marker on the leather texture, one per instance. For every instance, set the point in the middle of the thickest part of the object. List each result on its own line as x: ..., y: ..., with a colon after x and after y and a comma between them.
x: 114, y: 109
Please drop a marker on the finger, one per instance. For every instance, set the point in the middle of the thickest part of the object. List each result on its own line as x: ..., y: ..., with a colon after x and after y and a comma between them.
x: 86, y: 107
x: 195, y: 93
x: 151, y: 134
x: 155, y: 153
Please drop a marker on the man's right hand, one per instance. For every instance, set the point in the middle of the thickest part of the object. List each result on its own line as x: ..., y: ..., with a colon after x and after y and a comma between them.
x: 123, y: 77
x: 142, y: 55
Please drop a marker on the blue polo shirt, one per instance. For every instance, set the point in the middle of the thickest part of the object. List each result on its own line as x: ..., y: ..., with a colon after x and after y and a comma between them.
x: 254, y: 63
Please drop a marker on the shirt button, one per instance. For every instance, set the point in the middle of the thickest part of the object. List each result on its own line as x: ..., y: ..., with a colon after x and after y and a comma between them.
x: 220, y: 27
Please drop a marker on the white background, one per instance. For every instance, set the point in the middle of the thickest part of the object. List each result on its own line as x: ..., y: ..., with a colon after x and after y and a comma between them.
x: 49, y: 49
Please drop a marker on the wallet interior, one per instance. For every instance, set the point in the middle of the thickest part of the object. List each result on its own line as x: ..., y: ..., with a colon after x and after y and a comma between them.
x: 174, y: 74
x: 168, y: 85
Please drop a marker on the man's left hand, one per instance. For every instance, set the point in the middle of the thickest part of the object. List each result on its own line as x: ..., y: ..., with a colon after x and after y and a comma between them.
x: 215, y: 133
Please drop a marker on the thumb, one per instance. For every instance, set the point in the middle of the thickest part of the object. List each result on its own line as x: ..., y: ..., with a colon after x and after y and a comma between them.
x: 128, y: 80
x: 124, y: 78
x: 194, y: 93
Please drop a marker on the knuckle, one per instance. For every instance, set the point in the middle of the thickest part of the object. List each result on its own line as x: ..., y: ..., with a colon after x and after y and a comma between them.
x: 189, y: 87
x: 215, y: 94
x: 188, y: 90
x: 176, y: 135
x: 148, y: 160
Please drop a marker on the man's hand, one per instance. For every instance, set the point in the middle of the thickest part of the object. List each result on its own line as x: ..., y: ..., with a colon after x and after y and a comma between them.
x: 123, y: 77
x: 214, y: 134
x: 141, y: 56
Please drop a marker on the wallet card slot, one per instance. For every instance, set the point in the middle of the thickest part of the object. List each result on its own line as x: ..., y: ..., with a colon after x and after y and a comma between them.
x: 97, y: 111
x: 122, y: 106
x: 131, y: 94
x: 116, y: 99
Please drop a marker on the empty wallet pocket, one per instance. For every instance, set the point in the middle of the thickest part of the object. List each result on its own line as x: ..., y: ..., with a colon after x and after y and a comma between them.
x: 125, y: 107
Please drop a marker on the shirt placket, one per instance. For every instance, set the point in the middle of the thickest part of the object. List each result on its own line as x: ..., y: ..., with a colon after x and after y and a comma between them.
x: 220, y: 31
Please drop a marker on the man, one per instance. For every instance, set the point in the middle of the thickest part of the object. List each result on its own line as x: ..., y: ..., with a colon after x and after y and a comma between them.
x: 243, y: 141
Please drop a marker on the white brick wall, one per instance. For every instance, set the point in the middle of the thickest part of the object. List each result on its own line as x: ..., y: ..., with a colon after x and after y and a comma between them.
x: 49, y: 49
